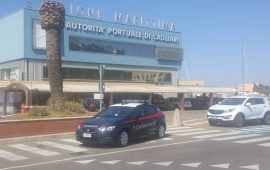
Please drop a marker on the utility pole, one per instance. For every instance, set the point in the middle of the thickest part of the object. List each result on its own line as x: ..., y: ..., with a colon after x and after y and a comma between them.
x: 101, y: 85
x: 243, y: 69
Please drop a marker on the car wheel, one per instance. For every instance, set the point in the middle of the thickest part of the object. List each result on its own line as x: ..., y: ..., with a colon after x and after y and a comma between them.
x: 212, y: 123
x: 239, y: 120
x: 266, y: 118
x: 122, y: 139
x: 161, y: 131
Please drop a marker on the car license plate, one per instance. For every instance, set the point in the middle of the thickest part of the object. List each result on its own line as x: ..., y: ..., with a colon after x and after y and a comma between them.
x: 87, y: 135
x: 214, y: 117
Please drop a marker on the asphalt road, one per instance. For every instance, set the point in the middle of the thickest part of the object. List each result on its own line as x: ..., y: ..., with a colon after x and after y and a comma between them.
x: 194, y: 146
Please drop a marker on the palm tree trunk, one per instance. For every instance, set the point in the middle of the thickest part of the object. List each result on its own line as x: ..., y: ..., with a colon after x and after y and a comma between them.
x: 54, y: 67
x: 52, y: 20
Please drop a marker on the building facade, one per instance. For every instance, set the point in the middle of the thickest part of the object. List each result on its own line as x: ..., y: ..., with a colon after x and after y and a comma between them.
x: 130, y: 53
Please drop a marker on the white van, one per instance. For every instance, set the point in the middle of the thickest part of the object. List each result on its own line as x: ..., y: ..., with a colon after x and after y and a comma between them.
x: 238, y: 110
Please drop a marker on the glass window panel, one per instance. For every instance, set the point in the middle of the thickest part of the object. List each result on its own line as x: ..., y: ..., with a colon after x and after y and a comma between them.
x: 39, y: 35
x: 110, y: 47
x: 112, y: 75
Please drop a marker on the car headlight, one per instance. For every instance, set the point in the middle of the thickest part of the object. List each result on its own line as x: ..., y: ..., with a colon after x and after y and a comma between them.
x: 229, y: 110
x: 227, y: 117
x: 106, y: 128
x: 79, y: 127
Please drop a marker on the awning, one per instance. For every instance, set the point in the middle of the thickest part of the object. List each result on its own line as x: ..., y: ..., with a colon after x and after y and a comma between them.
x: 92, y: 87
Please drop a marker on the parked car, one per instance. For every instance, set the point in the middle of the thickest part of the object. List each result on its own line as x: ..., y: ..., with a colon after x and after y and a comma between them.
x: 238, y: 110
x: 120, y: 123
x: 90, y: 104
x: 172, y: 103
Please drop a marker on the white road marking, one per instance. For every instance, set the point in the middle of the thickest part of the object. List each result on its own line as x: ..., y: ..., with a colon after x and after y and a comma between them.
x: 192, y: 120
x: 256, y: 128
x: 11, y: 156
x: 265, y: 144
x: 197, y: 133
x: 163, y: 163
x: 70, y: 140
x: 111, y: 162
x: 225, y: 166
x: 152, y: 141
x: 167, y: 138
x: 179, y: 128
x: 85, y: 161
x: 185, y: 130
x: 101, y: 154
x: 253, y: 140
x: 195, y: 165
x: 62, y: 146
x: 137, y: 163
x: 198, y: 123
x: 254, y: 167
x: 35, y: 150
x: 236, y: 137
x: 216, y: 135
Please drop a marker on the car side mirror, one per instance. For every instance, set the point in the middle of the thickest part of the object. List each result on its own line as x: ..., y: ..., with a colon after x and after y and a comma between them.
x: 248, y: 104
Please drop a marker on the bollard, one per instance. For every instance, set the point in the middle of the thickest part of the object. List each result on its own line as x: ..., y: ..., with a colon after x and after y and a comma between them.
x: 177, y: 118
x: 23, y: 108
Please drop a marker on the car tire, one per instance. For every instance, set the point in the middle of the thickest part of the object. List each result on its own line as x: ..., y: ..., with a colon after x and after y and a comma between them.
x: 122, y: 138
x: 239, y: 120
x: 266, y: 118
x: 161, y: 131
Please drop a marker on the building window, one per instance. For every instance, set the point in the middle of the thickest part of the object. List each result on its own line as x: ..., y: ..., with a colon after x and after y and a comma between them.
x: 113, y: 75
x: 75, y: 73
x: 110, y: 47
x: 39, y: 35
x: 10, y: 74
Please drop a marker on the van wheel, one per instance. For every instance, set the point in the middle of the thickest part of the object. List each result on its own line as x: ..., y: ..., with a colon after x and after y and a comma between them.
x: 122, y: 139
x: 239, y: 120
x: 266, y: 118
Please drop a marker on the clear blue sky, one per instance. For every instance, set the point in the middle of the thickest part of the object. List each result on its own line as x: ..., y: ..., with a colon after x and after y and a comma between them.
x: 211, y: 33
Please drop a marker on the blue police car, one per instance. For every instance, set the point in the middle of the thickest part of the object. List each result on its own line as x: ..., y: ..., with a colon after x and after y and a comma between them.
x: 121, y: 123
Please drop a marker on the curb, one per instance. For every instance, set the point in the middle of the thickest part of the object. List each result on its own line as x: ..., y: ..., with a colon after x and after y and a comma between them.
x: 38, y: 137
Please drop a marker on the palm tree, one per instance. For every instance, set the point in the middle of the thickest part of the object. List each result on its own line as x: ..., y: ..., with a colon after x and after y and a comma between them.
x: 52, y: 20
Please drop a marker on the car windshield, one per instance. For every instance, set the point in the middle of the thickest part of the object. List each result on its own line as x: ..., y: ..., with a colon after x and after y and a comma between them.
x: 233, y: 101
x: 116, y: 112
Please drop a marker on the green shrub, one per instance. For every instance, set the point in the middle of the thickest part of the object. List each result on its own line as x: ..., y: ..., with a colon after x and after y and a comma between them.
x: 71, y: 106
x: 38, y: 111
x: 68, y: 108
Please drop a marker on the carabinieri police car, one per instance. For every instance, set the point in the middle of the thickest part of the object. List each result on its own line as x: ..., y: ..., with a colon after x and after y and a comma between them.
x: 121, y: 123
